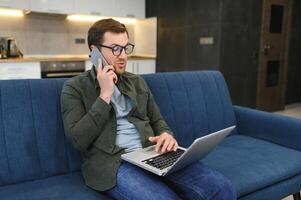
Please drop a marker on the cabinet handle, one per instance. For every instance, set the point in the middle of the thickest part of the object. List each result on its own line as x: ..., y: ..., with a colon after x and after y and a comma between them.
x: 95, y: 13
x: 54, y: 10
x: 5, y: 6
x: 130, y: 15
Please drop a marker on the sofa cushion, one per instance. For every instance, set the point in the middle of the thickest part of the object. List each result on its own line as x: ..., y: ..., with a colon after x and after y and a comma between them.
x: 253, y: 164
x: 70, y: 186
x: 32, y: 141
x: 192, y: 103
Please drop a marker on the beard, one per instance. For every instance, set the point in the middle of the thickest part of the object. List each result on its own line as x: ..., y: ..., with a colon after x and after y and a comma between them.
x: 120, y: 67
x: 119, y: 71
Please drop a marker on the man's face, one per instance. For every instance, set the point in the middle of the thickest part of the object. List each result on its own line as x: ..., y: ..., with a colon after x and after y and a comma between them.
x: 112, y: 39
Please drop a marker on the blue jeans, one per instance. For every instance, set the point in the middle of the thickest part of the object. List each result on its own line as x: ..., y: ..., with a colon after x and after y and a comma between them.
x: 196, y: 182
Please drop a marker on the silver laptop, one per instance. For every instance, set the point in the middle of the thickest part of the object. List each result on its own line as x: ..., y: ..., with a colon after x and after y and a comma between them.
x: 166, y: 163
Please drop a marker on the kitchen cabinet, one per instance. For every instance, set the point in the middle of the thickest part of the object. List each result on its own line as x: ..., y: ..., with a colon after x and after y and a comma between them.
x: 20, y: 70
x: 95, y: 7
x: 17, y: 4
x: 117, y: 8
x: 52, y: 6
x: 146, y: 66
x: 88, y: 65
x: 130, y: 8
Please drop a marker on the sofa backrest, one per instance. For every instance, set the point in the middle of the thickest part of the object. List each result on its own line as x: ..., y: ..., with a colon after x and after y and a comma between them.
x: 32, y: 141
x: 193, y: 103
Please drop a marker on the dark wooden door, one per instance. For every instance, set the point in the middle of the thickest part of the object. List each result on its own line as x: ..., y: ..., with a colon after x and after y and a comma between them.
x: 272, y: 72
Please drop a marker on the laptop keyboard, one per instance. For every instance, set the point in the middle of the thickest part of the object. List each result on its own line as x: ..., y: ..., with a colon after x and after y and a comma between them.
x: 164, y: 160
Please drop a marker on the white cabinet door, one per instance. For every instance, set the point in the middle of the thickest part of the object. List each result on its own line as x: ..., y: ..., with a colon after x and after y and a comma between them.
x: 88, y: 65
x: 5, y: 3
x: 52, y: 6
x: 145, y: 66
x: 95, y: 7
x: 131, y: 8
x: 17, y: 4
x: 130, y: 66
x: 20, y: 70
x: 141, y: 66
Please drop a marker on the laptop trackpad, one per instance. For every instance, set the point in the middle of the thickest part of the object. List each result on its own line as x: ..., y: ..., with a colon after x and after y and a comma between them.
x: 142, y: 154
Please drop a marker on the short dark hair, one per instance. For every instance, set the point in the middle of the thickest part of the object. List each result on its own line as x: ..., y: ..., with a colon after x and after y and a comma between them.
x: 99, y: 28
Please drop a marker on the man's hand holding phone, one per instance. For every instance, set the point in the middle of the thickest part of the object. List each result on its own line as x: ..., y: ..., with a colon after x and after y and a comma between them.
x: 106, y: 78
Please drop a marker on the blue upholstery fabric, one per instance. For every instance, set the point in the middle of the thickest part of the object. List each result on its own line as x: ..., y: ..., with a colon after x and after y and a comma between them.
x: 197, y: 103
x: 276, y: 191
x: 193, y: 104
x: 252, y: 164
x: 64, y: 187
x: 262, y: 157
x: 279, y: 129
x: 32, y: 142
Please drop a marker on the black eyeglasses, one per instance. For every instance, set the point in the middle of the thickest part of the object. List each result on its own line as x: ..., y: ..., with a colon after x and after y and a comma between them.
x: 117, y: 49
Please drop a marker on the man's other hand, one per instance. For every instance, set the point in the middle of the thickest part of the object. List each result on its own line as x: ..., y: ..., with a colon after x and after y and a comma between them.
x: 165, y: 142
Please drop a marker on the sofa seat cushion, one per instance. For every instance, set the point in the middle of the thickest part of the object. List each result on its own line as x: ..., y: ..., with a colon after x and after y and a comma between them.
x: 252, y: 164
x: 63, y: 187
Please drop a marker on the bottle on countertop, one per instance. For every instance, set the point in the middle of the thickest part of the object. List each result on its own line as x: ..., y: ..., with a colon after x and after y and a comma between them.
x: 1, y: 50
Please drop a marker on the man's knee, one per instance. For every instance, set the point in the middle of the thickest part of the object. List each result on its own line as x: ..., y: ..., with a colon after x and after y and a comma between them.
x: 216, y: 186
x: 225, y: 189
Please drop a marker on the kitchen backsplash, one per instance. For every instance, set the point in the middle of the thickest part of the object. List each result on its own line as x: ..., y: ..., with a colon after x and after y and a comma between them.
x: 50, y: 34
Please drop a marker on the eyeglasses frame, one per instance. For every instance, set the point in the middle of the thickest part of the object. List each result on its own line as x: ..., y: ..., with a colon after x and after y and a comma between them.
x: 123, y: 48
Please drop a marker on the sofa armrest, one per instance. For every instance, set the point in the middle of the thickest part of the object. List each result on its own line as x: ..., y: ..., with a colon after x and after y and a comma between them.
x: 275, y: 128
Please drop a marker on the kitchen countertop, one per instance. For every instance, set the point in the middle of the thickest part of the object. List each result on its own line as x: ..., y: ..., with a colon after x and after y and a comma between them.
x: 39, y: 58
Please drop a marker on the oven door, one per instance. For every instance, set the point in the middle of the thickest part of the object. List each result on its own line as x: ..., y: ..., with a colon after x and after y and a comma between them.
x: 60, y: 74
x: 61, y: 69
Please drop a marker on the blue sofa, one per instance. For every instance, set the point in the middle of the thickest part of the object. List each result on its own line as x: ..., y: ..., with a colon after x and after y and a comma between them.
x: 262, y: 157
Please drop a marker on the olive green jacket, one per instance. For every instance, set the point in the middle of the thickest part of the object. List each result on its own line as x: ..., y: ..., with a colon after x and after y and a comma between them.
x: 90, y: 123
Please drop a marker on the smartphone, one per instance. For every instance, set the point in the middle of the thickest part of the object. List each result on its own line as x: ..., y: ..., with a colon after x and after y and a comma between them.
x: 95, y: 55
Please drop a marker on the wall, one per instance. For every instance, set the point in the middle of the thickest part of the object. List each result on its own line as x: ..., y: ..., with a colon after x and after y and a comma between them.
x: 240, y: 40
x: 234, y: 26
x: 180, y: 26
x: 293, y: 92
x: 46, y: 34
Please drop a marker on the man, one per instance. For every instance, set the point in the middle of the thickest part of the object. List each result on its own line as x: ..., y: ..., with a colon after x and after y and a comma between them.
x: 107, y: 111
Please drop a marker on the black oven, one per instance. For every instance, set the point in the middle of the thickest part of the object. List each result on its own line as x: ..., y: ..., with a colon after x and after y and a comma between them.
x: 61, y: 69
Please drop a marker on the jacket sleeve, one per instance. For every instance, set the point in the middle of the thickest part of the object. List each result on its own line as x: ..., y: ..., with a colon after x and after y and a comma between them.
x: 82, y: 127
x: 157, y: 122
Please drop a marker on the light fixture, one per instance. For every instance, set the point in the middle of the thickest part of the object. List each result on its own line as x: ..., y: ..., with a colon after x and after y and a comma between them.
x: 126, y: 20
x: 11, y: 12
x: 94, y: 18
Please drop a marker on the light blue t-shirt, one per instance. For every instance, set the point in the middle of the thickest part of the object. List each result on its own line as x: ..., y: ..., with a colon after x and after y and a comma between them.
x: 128, y: 136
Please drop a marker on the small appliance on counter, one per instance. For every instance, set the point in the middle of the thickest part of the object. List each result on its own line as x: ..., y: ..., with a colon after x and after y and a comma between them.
x: 9, y: 48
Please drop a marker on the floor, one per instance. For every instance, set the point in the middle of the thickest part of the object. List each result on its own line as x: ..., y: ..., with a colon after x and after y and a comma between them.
x: 289, y: 198
x: 293, y: 110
